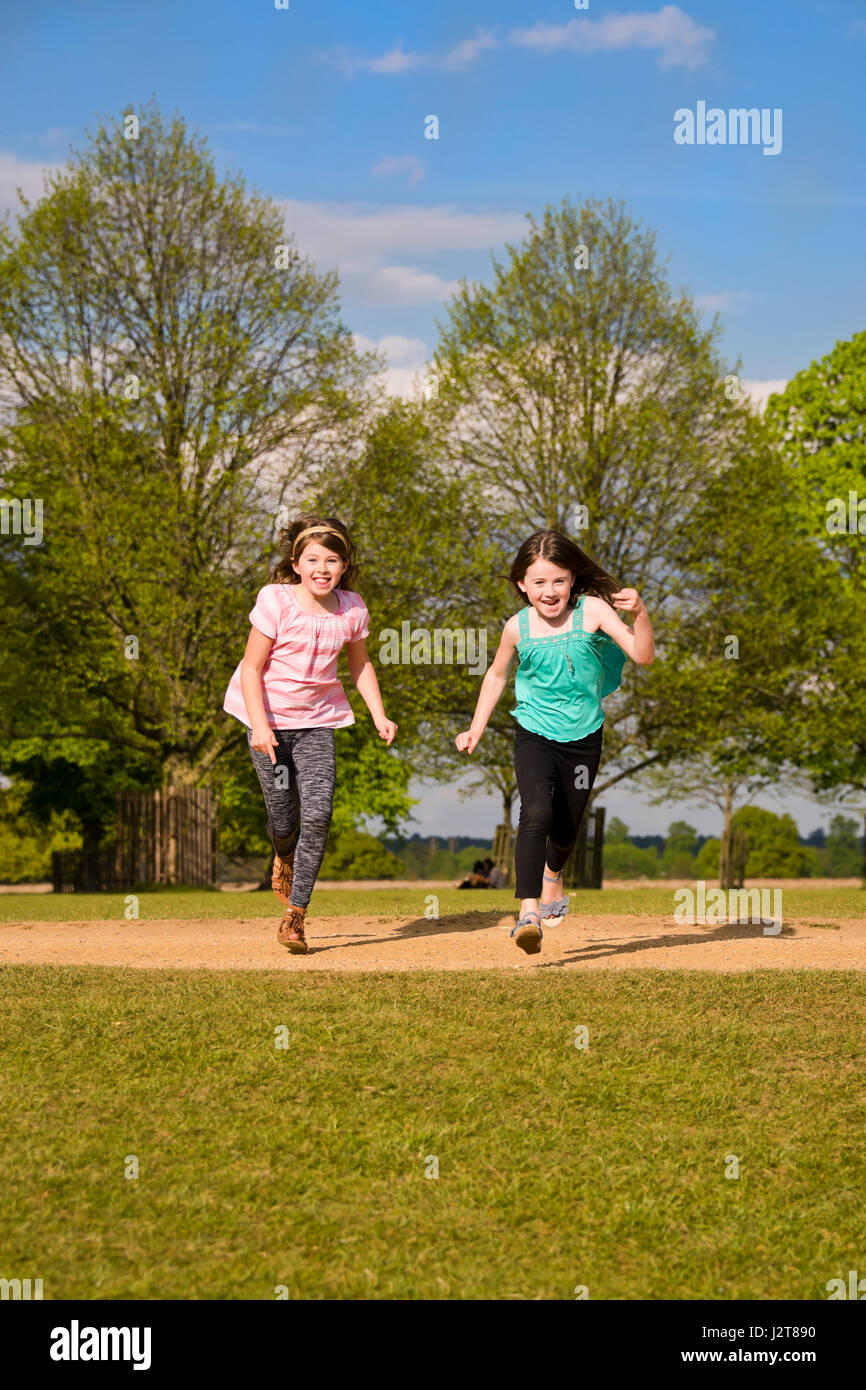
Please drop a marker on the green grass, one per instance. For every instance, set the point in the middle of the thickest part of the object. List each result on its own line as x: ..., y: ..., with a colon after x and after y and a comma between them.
x: 557, y: 1167
x: 798, y: 904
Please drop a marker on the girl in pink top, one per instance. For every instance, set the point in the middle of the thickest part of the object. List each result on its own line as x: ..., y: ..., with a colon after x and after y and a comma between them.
x: 287, y: 692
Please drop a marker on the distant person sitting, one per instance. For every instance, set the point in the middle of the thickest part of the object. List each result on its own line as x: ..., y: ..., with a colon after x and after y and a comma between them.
x: 495, y: 876
x: 478, y: 878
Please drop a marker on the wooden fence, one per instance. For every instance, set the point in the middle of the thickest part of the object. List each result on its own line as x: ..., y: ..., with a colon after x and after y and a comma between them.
x: 162, y: 836
x: 166, y: 836
x: 584, y: 866
x: 73, y: 871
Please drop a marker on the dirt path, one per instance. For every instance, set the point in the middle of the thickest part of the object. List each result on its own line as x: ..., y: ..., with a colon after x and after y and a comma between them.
x: 476, y: 941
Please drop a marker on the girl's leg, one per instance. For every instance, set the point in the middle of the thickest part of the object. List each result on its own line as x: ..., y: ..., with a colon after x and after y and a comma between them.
x: 280, y: 792
x: 316, y: 774
x: 577, y: 765
x: 535, y: 770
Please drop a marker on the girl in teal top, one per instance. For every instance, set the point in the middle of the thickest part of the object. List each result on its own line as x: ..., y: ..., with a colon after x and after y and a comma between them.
x: 571, y: 647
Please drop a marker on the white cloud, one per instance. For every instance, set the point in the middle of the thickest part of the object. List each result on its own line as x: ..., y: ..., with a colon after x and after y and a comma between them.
x: 359, y: 239
x: 406, y: 284
x: 724, y: 299
x: 678, y: 38
x: 760, y: 391
x: 391, y: 63
x: 399, y: 164
x: 407, y: 361
x: 468, y: 51
x: 358, y: 236
x: 28, y: 175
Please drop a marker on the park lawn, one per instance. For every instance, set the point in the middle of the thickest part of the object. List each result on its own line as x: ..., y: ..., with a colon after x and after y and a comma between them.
x: 798, y: 904
x: 558, y: 1167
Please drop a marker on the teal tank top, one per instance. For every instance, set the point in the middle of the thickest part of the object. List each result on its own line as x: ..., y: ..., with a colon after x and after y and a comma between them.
x: 562, y: 679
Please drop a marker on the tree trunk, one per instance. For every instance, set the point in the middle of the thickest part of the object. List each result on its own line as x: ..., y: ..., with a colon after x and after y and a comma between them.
x: 726, y: 877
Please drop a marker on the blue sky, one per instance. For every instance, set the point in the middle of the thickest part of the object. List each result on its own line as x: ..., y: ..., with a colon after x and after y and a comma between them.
x: 322, y: 107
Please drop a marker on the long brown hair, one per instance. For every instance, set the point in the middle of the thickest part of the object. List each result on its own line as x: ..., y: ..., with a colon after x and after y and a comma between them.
x: 330, y: 533
x: 589, y: 578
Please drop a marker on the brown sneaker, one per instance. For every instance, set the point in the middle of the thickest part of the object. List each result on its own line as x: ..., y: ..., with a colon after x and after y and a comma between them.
x: 281, y: 877
x: 291, y: 931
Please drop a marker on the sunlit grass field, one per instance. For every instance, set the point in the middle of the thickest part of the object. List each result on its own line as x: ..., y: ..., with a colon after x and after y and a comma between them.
x: 303, y: 1168
x: 799, y: 904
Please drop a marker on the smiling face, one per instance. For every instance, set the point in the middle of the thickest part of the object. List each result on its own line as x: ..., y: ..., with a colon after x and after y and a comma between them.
x: 548, y: 588
x: 319, y: 569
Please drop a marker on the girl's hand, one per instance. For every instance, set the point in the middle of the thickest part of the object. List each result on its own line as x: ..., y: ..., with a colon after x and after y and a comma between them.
x: 628, y: 601
x: 264, y: 740
x: 468, y: 740
x: 386, y: 729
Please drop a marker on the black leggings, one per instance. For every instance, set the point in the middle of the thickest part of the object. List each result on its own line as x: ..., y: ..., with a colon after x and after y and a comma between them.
x: 554, y: 781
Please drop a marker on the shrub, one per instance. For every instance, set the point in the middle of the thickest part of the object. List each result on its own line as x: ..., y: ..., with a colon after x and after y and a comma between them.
x: 357, y: 855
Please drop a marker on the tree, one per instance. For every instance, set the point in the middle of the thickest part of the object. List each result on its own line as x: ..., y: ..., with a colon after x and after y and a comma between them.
x: 589, y: 399
x: 25, y: 843
x: 842, y: 848
x: 615, y: 832
x: 774, y: 847
x: 356, y: 855
x: 165, y: 358
x: 622, y: 859
x: 173, y: 369
x: 732, y: 678
x: 819, y: 426
x: 678, y: 857
x: 431, y: 562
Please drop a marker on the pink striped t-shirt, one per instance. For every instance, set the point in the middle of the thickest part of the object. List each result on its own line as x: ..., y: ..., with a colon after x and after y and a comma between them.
x: 299, y: 679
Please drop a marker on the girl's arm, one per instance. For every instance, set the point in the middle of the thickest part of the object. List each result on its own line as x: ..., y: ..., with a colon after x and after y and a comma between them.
x: 492, y: 687
x: 363, y: 673
x: 638, y: 644
x: 258, y: 649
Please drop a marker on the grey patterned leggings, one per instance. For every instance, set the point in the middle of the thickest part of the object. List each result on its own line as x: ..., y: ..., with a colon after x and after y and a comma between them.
x: 299, y: 795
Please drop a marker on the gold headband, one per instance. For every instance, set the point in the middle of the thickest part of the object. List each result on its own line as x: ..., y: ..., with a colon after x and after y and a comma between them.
x: 313, y: 531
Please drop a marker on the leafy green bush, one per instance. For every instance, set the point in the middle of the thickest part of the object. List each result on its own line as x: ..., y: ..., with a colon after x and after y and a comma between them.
x: 355, y: 854
x: 622, y: 859
x: 707, y: 862
x: 774, y: 849
x: 25, y: 846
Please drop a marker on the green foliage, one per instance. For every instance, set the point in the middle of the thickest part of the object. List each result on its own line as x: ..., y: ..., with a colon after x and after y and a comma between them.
x: 163, y: 360
x: 678, y: 856
x: 353, y: 854
x: 819, y: 427
x: 615, y: 831
x: 844, y: 854
x: 707, y: 862
x: 625, y: 860
x: 562, y: 387
x: 447, y: 577
x: 774, y: 850
x: 26, y: 843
